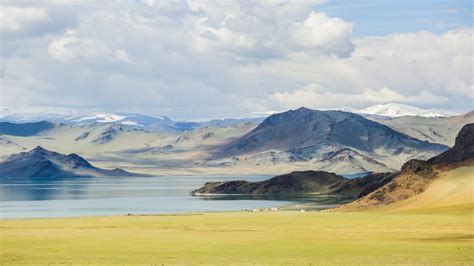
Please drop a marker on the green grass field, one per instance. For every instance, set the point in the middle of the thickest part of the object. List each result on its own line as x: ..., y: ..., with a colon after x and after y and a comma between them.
x: 442, y: 236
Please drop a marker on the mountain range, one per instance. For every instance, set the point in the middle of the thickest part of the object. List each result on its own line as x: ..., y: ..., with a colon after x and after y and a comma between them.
x: 161, y: 124
x: 86, y: 117
x: 302, y: 139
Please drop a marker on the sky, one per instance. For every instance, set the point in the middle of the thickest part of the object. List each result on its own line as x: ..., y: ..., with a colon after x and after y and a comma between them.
x: 213, y: 59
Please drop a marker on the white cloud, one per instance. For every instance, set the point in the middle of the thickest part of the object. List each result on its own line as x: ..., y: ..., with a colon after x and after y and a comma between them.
x: 15, y: 19
x: 266, y: 29
x: 322, y: 33
x: 69, y: 46
x: 433, y: 66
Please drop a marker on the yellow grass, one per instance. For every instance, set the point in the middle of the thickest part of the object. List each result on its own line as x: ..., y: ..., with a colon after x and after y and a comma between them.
x: 238, y: 237
x: 452, y: 188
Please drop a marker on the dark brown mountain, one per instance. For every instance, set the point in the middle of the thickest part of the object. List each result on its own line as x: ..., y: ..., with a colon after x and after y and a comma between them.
x: 300, y: 183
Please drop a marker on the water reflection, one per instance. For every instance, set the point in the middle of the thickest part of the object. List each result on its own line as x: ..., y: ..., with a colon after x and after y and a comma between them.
x: 117, y: 196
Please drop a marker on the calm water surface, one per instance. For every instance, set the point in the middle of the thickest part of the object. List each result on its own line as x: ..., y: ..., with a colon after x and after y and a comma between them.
x: 121, y: 195
x: 118, y: 196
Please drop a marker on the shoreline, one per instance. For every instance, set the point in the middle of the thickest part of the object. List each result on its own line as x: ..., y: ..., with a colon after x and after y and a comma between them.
x: 307, y: 206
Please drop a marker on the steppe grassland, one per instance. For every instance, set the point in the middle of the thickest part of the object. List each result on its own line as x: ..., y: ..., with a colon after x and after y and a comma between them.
x: 441, y: 237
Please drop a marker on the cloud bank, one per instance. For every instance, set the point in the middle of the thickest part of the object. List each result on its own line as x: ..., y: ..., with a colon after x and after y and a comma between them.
x: 195, y: 59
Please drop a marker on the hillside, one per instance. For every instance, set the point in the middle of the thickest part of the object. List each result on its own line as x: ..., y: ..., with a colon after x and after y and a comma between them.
x: 453, y: 188
x: 417, y: 176
x: 40, y: 163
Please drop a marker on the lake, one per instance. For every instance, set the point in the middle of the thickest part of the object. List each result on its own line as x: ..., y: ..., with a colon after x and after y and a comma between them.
x: 123, y: 195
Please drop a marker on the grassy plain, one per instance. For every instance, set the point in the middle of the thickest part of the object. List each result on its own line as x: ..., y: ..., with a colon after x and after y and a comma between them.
x: 435, y: 227
x: 444, y: 236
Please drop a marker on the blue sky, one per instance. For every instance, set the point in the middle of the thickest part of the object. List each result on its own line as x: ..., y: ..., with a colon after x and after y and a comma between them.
x: 384, y: 17
x: 197, y: 59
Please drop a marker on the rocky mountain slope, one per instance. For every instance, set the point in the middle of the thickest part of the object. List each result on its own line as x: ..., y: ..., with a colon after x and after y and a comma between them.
x: 416, y: 175
x: 326, y: 138
x: 40, y: 163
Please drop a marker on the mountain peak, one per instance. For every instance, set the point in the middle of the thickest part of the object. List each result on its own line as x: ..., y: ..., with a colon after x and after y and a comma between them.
x: 307, y: 134
x: 38, y: 150
x: 304, y: 109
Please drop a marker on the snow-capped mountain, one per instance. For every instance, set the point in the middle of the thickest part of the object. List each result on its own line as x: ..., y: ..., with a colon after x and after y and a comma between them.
x: 397, y: 110
x: 85, y: 117
x: 88, y: 117
x: 119, y: 118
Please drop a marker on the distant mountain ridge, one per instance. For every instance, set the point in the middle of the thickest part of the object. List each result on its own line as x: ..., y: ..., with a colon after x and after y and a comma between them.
x: 40, y: 163
x: 442, y: 130
x: 24, y: 129
x: 146, y: 122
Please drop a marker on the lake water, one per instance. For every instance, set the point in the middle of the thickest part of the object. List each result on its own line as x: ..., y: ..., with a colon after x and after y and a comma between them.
x: 122, y: 195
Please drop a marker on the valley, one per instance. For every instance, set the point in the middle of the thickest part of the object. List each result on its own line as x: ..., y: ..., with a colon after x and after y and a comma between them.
x: 418, y: 229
